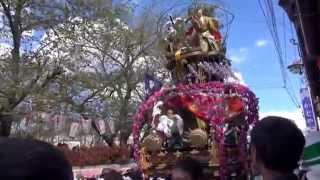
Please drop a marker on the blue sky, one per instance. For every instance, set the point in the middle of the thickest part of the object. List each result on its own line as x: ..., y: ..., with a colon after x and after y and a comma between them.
x: 251, y: 47
x: 252, y: 51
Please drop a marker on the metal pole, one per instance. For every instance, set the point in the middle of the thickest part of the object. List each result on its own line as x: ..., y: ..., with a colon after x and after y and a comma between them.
x: 306, y: 45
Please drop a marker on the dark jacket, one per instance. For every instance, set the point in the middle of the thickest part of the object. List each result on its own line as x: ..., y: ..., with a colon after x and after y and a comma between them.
x: 287, y: 177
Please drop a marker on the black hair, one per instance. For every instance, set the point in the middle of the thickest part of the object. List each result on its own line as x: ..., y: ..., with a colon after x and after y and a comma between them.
x: 279, y: 143
x: 190, y: 166
x: 170, y: 109
x: 111, y: 175
x: 135, y: 175
x: 22, y: 159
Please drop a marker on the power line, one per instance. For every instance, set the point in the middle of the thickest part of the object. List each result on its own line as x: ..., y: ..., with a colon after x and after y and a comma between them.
x: 265, y: 87
x: 270, y: 20
x: 285, y: 37
x: 269, y: 14
x: 294, y: 43
x: 289, y: 88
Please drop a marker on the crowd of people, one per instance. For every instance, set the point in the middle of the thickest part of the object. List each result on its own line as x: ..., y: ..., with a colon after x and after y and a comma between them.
x: 276, y: 148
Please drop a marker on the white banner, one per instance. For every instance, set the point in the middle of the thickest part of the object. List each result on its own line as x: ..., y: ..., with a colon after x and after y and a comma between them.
x: 102, y: 126
x: 86, y: 125
x: 111, y: 126
x: 58, y: 122
x: 74, y: 129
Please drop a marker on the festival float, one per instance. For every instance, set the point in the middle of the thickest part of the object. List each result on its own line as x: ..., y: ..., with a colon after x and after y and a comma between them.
x: 202, y: 114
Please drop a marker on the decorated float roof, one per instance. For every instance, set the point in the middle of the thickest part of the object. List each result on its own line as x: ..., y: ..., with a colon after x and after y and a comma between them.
x: 216, y: 103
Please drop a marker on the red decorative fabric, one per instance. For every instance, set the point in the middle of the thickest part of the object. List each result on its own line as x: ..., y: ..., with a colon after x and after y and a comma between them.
x: 217, y: 36
x: 189, y: 31
x: 235, y: 104
x: 201, y: 105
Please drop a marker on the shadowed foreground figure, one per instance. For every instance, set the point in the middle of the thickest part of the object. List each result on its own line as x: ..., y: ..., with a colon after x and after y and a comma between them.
x: 277, y: 145
x: 187, y: 169
x: 22, y: 159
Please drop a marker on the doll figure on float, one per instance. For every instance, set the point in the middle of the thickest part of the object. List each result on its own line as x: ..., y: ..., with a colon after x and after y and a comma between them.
x: 204, y: 32
x: 171, y: 125
x: 156, y: 113
x: 175, y: 30
x: 176, y: 130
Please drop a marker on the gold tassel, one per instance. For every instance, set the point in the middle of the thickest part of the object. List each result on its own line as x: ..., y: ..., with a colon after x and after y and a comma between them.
x: 178, y: 63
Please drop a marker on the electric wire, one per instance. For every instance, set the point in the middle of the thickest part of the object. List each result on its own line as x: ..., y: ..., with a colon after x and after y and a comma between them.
x: 268, y: 12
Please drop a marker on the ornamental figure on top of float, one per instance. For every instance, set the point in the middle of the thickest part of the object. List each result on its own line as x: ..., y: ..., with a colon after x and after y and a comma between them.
x: 195, y: 47
x: 204, y: 32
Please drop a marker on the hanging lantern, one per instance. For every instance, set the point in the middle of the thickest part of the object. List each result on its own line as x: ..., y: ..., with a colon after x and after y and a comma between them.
x: 296, y: 67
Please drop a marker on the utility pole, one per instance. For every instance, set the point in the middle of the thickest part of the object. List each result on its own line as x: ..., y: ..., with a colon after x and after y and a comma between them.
x: 305, y: 15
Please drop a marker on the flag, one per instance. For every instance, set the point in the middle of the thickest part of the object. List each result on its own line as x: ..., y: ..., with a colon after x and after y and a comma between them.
x: 74, y: 129
x: 86, y: 125
x: 102, y: 126
x: 99, y: 125
x: 110, y: 127
x: 58, y: 122
x: 151, y: 84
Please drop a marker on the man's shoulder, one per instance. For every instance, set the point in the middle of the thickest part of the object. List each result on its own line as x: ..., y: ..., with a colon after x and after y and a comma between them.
x: 286, y: 177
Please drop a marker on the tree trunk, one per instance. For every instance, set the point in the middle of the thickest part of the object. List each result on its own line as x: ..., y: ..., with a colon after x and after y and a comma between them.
x: 123, y: 119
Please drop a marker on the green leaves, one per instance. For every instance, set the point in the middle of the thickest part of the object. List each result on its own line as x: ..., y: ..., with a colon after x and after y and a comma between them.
x: 85, y: 57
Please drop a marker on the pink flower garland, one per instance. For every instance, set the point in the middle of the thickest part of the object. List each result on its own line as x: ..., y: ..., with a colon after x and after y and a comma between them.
x: 216, y: 121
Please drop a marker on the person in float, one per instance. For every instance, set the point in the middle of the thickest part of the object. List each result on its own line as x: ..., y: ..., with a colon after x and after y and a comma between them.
x: 276, y: 148
x: 171, y: 125
x: 176, y: 129
x: 26, y: 159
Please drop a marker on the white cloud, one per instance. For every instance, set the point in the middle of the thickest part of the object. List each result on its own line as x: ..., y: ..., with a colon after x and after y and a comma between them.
x: 243, y: 50
x: 29, y: 34
x: 238, y: 56
x: 295, y: 115
x: 136, y: 1
x: 4, y: 48
x: 262, y: 42
x: 238, y: 78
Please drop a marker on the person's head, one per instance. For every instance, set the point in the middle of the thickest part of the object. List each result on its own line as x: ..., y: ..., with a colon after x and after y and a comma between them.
x: 111, y: 174
x: 187, y: 169
x: 199, y: 12
x: 22, y: 159
x: 277, y: 145
x: 170, y: 112
x: 135, y: 175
